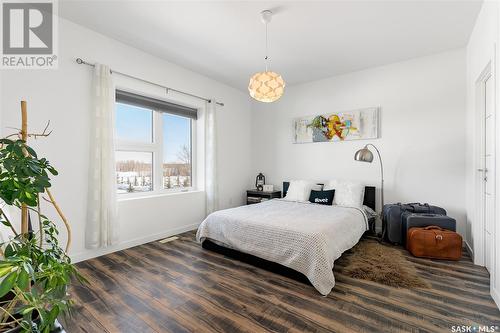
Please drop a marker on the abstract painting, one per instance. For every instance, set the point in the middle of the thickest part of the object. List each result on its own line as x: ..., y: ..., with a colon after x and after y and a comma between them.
x: 339, y: 126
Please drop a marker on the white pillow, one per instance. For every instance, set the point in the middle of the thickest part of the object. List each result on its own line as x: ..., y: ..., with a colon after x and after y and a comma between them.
x: 300, y: 190
x: 347, y: 193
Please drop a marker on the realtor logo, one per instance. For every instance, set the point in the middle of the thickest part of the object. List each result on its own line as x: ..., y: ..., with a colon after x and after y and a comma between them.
x: 28, y: 34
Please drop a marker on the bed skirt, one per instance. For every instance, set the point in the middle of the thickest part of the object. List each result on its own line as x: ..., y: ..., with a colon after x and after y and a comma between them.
x: 256, y: 261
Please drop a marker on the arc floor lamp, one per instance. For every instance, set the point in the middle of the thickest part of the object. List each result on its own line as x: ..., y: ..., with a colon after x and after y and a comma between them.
x: 365, y: 155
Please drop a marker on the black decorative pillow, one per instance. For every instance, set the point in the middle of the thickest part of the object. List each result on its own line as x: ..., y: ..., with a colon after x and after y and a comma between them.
x: 322, y: 197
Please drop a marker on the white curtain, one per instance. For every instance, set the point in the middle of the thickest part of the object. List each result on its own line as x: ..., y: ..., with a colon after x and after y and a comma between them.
x: 102, y: 218
x: 211, y: 158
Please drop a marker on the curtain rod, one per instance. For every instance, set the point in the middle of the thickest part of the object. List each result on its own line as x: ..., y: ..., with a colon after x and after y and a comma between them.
x: 80, y: 61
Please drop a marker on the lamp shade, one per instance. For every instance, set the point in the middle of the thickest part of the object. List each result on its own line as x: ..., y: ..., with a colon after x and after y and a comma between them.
x: 364, y: 155
x: 266, y: 87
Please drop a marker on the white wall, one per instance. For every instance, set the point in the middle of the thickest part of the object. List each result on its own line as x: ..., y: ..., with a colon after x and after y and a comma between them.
x: 63, y: 96
x: 480, y: 52
x: 422, y: 131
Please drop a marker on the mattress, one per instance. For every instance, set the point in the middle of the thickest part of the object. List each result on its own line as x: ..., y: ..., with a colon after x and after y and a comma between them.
x: 305, y: 237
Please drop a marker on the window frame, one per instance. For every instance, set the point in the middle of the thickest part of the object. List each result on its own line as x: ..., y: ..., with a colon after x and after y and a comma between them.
x: 156, y: 148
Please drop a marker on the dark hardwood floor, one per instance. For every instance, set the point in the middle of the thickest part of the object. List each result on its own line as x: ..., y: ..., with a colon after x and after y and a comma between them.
x: 180, y: 287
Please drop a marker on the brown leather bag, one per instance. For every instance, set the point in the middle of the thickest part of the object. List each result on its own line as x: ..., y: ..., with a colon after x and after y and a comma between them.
x: 434, y: 242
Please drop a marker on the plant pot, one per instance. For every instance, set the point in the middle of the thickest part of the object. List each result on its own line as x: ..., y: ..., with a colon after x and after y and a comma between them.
x: 57, y: 326
x: 57, y: 329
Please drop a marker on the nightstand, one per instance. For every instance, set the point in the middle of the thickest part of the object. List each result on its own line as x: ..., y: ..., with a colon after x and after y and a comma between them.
x: 371, y: 223
x: 254, y: 196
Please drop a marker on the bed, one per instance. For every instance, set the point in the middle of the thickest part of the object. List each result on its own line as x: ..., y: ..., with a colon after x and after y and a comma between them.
x: 300, y: 240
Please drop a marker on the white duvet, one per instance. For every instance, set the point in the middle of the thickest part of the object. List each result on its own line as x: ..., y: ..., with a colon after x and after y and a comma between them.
x: 303, y: 236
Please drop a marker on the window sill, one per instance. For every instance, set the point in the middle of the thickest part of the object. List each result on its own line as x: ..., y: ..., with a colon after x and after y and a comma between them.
x: 141, y: 196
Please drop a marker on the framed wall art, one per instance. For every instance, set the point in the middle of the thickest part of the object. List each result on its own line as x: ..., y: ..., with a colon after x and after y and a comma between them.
x: 358, y: 124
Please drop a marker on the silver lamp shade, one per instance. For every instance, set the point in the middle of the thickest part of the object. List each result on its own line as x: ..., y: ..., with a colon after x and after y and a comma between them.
x: 364, y: 155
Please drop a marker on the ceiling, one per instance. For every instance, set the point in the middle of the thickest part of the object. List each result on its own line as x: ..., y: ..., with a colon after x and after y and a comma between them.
x: 308, y: 40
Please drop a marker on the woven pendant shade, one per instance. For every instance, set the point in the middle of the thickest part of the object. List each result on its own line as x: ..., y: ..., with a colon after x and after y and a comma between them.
x: 266, y: 87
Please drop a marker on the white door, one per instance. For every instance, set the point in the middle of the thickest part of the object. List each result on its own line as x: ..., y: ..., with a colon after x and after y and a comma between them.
x: 489, y: 171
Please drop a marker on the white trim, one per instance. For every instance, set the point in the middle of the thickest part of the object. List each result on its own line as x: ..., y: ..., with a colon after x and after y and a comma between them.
x: 147, y: 195
x: 158, y: 154
x: 89, y: 254
x: 469, y: 249
x: 194, y: 156
x: 479, y: 255
x: 496, y: 296
x: 496, y: 231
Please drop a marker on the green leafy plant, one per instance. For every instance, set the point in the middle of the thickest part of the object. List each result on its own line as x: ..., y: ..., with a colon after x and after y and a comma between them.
x: 34, y: 270
x: 22, y: 176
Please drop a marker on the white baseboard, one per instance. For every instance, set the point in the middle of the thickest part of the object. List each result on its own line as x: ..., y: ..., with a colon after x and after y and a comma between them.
x: 496, y: 296
x: 469, y: 250
x: 89, y: 254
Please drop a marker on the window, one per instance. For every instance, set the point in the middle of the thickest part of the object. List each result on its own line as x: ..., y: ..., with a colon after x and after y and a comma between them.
x: 134, y: 171
x: 177, y: 167
x: 134, y: 124
x: 153, y: 145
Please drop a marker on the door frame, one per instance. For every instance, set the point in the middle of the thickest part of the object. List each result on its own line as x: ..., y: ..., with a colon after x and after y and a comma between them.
x: 479, y: 186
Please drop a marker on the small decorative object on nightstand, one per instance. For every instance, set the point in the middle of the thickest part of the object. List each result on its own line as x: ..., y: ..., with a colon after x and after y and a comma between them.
x: 260, y: 180
x: 268, y: 188
x: 256, y: 196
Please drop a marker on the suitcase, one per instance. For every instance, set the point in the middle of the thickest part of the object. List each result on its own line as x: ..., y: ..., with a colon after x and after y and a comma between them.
x: 410, y: 220
x: 391, y: 218
x: 434, y: 242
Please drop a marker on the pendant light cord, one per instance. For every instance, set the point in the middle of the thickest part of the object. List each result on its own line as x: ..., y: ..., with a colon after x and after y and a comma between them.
x: 267, y: 57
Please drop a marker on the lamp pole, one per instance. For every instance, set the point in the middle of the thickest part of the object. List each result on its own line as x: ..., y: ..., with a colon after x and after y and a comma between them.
x: 381, y: 176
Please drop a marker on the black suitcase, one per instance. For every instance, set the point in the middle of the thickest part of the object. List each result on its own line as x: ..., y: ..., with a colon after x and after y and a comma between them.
x: 411, y: 220
x: 392, y: 230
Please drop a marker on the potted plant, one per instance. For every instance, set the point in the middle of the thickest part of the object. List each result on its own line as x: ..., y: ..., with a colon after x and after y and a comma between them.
x: 34, y: 270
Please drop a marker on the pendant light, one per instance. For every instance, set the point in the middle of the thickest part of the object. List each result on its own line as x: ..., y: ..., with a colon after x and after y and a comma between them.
x: 266, y: 86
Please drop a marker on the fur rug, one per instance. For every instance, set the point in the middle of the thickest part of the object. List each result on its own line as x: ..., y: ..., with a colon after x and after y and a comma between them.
x: 370, y: 260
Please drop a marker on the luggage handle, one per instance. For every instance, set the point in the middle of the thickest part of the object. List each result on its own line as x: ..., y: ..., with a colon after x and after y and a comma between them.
x: 437, y: 236
x: 413, y: 203
x: 434, y: 227
x: 419, y: 208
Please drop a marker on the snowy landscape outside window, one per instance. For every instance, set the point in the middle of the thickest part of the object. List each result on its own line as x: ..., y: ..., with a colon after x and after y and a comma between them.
x: 177, y: 164
x: 153, y: 146
x: 134, y: 169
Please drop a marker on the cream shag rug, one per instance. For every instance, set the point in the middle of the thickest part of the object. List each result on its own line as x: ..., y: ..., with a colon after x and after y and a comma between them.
x: 370, y: 260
